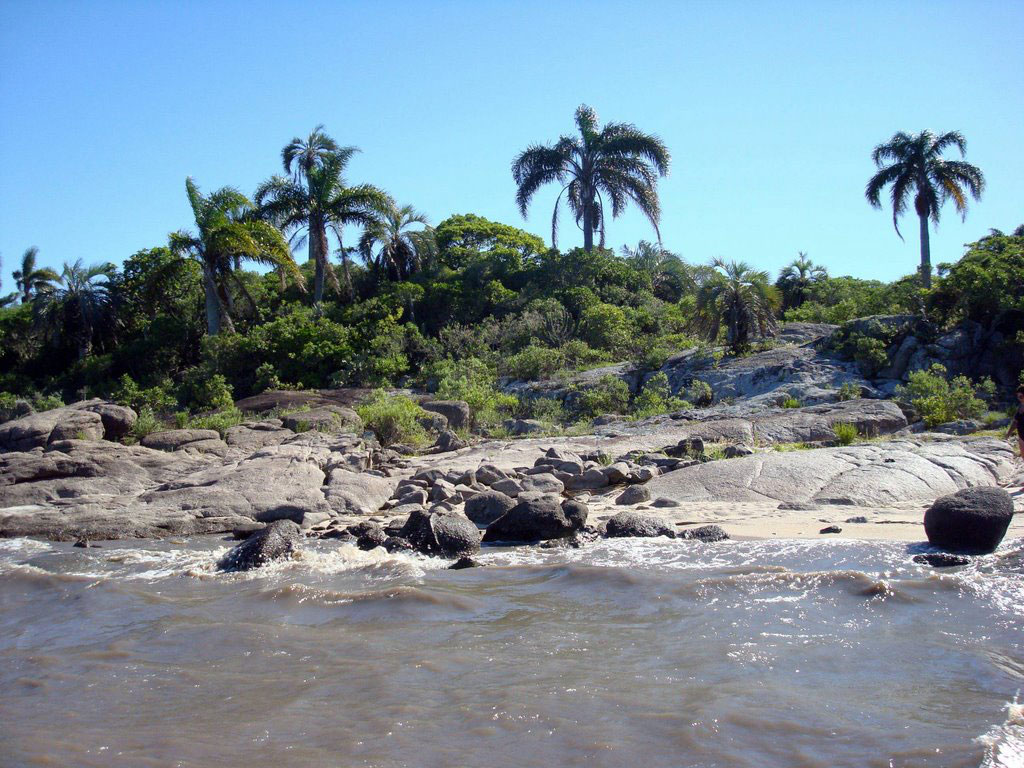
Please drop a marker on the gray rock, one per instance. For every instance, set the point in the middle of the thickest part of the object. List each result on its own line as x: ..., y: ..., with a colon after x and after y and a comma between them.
x: 706, y: 533
x: 960, y: 427
x: 867, y: 475
x: 433, y: 422
x: 635, y: 494
x: 630, y: 524
x: 576, y: 512
x: 176, y: 439
x: 449, y: 441
x: 488, y: 474
x: 254, y: 435
x: 277, y: 540
x: 509, y: 486
x: 118, y: 420
x: 37, y: 430
x: 463, y: 563
x: 663, y: 503
x: 941, y: 560
x: 416, y: 496
x: 545, y: 483
x: 617, y: 472
x: 972, y: 521
x: 590, y: 480
x: 357, y: 493
x: 456, y: 411
x: 442, y: 490
x: 324, y: 418
x: 521, y: 427
x: 532, y: 519
x: 735, y: 451
x: 484, y: 508
x: 831, y: 529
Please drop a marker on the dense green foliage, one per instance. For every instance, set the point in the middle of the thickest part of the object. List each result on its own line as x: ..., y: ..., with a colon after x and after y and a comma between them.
x: 939, y: 400
x: 457, y: 309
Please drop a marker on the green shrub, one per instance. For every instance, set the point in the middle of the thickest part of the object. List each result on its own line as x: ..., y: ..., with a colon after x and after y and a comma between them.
x: 220, y: 421
x: 605, y: 327
x: 476, y: 383
x: 159, y: 398
x: 203, y: 391
x: 41, y: 402
x: 146, y: 423
x: 938, y: 400
x: 609, y: 394
x: 869, y: 354
x: 393, y: 419
x: 845, y: 433
x: 547, y: 409
x: 791, y: 402
x: 652, y: 356
x: 532, y: 363
x: 656, y: 397
x: 849, y: 391
x: 266, y: 378
x: 699, y: 393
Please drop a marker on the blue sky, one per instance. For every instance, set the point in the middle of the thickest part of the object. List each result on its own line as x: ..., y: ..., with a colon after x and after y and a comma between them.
x: 770, y: 109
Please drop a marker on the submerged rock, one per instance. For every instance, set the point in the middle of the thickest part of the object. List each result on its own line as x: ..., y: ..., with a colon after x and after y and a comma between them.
x: 706, y: 533
x: 941, y: 560
x: 279, y: 539
x: 971, y: 521
x: 441, y: 533
x: 464, y: 562
x: 628, y: 524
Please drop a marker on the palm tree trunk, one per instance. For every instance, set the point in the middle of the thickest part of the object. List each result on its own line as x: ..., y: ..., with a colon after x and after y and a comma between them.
x: 588, y: 225
x: 212, y: 303
x: 926, y: 254
x: 316, y: 241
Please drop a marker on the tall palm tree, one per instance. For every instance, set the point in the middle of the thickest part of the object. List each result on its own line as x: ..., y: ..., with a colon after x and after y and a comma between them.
x: 670, y: 275
x: 300, y: 156
x: 914, y: 164
x: 617, y: 161
x: 78, y: 302
x: 393, y: 245
x: 797, y: 278
x: 318, y: 203
x: 30, y: 280
x: 739, y: 297
x: 228, y: 233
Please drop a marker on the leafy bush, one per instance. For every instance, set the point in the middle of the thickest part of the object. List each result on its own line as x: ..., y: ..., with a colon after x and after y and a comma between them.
x: 791, y: 402
x: 939, y: 400
x: 605, y: 327
x: 532, y: 363
x: 845, y: 433
x: 699, y: 393
x: 393, y: 419
x: 547, y: 409
x: 266, y: 378
x: 158, y: 399
x: 220, y: 421
x: 869, y: 354
x: 146, y: 423
x: 202, y: 390
x: 475, y: 382
x: 609, y: 394
x: 849, y: 391
x: 656, y: 397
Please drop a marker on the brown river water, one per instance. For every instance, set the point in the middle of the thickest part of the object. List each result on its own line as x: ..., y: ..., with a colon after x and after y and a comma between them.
x: 624, y: 653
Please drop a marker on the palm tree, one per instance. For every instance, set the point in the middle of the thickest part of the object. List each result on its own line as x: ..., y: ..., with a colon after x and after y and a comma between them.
x: 618, y: 161
x: 670, y: 275
x: 10, y: 298
x: 391, y: 244
x: 797, y: 278
x: 78, y: 302
x: 315, y: 200
x: 228, y: 233
x: 915, y: 164
x: 30, y: 280
x: 739, y: 297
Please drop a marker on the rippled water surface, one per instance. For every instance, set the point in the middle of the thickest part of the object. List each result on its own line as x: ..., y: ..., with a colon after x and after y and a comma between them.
x: 626, y: 653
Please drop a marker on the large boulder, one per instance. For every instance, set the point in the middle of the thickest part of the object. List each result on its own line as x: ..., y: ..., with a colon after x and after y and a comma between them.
x: 456, y: 411
x: 972, y: 521
x: 484, y: 508
x: 39, y: 429
x: 441, y: 533
x: 357, y: 493
x: 118, y: 420
x: 277, y: 540
x: 536, y: 518
x: 626, y: 524
x: 325, y: 418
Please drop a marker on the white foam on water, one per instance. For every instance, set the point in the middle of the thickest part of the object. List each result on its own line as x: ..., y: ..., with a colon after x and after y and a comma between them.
x: 1004, y: 743
x: 24, y: 546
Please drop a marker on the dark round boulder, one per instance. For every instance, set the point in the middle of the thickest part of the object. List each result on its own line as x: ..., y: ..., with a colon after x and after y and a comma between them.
x: 628, y: 524
x: 463, y: 562
x: 941, y: 560
x: 972, y: 521
x: 576, y: 512
x: 441, y: 533
x: 535, y: 518
x: 277, y: 540
x: 484, y: 508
